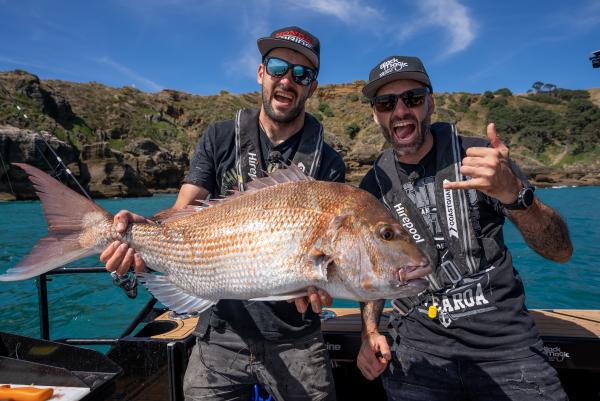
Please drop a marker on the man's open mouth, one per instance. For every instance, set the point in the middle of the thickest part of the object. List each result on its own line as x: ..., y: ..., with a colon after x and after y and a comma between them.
x: 403, y: 131
x: 284, y: 98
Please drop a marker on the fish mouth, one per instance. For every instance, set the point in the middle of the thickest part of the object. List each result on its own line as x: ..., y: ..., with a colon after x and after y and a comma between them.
x: 407, y: 274
x: 417, y: 284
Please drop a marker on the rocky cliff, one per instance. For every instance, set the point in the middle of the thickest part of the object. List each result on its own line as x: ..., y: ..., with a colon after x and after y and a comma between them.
x: 124, y: 142
x: 102, y: 171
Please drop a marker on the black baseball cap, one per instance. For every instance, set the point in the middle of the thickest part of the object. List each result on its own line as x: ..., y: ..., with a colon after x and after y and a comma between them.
x: 294, y: 38
x: 394, y: 68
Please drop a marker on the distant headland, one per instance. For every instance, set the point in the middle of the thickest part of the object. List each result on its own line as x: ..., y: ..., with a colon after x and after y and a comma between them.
x: 124, y: 142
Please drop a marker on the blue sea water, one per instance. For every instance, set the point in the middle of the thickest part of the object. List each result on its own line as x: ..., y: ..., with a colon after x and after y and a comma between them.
x: 89, y: 305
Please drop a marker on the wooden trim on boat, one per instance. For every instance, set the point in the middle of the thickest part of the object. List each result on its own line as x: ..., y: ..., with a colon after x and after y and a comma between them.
x: 571, y: 323
x: 550, y: 323
x: 567, y: 322
x: 183, y: 328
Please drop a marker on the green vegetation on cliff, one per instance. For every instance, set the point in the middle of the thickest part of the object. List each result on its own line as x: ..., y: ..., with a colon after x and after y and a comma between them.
x: 554, y: 128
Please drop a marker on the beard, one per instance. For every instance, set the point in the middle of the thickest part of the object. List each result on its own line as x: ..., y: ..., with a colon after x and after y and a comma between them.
x: 282, y: 117
x: 403, y: 149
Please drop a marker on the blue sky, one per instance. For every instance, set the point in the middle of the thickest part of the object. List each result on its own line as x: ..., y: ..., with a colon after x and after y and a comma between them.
x: 203, y: 47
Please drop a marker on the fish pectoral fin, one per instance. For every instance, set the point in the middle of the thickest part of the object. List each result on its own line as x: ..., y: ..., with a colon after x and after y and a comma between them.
x: 319, y: 262
x: 282, y: 297
x: 172, y: 296
x: 346, y: 217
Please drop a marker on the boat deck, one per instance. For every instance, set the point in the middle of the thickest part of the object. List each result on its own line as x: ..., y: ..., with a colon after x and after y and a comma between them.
x: 574, y: 323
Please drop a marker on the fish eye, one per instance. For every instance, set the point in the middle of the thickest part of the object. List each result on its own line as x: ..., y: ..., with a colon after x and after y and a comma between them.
x: 386, y: 233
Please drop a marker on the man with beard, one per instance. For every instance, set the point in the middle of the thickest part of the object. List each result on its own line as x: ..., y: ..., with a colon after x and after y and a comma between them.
x: 240, y: 343
x: 469, y: 336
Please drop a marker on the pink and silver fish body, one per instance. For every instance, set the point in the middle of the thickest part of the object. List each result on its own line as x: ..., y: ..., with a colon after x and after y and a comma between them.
x: 285, y: 233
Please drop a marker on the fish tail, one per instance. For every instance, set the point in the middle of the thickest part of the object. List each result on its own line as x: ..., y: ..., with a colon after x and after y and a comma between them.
x: 65, y: 211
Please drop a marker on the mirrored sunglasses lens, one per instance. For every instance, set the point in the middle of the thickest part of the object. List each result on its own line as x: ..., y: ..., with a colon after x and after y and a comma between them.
x: 299, y: 71
x: 302, y: 75
x: 277, y: 67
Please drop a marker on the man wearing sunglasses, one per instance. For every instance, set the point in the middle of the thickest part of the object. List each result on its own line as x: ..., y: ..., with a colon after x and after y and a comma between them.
x: 468, y: 336
x: 277, y: 344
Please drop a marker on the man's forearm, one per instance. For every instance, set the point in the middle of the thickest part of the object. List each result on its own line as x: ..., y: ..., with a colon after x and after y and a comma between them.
x: 544, y: 230
x: 370, y: 314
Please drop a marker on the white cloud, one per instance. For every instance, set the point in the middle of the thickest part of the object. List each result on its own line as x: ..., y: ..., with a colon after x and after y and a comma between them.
x: 555, y: 28
x: 253, y: 26
x: 446, y: 14
x: 577, y: 20
x: 245, y: 63
x: 14, y: 61
x: 256, y: 23
x: 35, y: 67
x: 348, y: 11
x: 143, y: 81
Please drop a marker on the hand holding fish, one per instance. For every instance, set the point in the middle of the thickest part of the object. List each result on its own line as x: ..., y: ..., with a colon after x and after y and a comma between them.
x: 489, y: 169
x: 118, y: 256
x: 374, y: 355
x: 317, y: 298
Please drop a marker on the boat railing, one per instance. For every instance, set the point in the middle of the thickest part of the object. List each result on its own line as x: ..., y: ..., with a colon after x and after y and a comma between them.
x: 43, y: 308
x: 142, y: 364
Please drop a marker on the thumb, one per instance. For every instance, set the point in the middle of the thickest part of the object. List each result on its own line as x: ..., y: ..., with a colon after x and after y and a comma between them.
x: 495, y: 140
x: 493, y: 135
x: 121, y: 220
x: 384, y: 348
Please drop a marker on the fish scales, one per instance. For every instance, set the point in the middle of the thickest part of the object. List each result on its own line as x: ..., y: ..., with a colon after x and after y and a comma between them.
x: 246, y: 246
x: 285, y: 233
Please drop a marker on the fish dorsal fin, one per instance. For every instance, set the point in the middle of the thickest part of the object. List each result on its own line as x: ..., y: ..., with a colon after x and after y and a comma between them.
x: 291, y: 173
x: 172, y: 296
x: 170, y: 214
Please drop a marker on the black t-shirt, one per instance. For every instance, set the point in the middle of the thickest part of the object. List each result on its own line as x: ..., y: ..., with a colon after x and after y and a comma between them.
x: 213, y: 168
x: 484, y: 316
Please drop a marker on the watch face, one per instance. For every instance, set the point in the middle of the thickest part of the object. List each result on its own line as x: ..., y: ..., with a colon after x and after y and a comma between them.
x: 527, y: 197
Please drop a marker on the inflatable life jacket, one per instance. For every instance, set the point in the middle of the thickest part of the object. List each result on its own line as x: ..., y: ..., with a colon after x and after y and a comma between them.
x: 247, y: 147
x: 457, y: 211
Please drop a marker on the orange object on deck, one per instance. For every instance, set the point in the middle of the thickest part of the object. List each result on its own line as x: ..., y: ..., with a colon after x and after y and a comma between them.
x: 25, y: 393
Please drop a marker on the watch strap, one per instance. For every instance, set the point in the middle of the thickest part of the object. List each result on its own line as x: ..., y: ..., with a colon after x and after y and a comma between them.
x: 524, y: 200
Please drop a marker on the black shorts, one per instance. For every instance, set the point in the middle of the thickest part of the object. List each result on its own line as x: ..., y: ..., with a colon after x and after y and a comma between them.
x: 223, y: 366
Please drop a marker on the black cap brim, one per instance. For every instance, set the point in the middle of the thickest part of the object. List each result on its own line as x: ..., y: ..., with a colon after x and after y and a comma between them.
x: 370, y: 89
x: 265, y: 45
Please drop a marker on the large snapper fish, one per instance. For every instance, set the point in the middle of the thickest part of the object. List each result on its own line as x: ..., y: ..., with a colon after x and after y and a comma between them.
x: 284, y: 233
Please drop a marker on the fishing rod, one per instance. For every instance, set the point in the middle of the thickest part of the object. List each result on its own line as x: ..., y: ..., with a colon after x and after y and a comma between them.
x: 60, y: 161
x: 127, y: 282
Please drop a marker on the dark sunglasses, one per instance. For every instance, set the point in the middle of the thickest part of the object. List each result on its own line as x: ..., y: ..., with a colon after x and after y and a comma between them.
x: 410, y: 98
x: 301, y: 74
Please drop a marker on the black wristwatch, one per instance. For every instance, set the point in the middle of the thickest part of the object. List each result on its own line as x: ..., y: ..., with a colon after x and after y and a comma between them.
x: 524, y: 200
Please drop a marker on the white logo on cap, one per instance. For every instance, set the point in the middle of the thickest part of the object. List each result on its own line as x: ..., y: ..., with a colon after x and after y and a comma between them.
x: 393, y: 65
